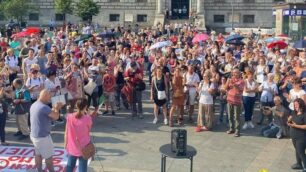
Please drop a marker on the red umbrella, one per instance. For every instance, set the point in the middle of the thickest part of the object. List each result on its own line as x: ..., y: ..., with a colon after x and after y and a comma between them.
x: 200, y: 37
x: 32, y: 30
x: 21, y: 34
x: 278, y: 44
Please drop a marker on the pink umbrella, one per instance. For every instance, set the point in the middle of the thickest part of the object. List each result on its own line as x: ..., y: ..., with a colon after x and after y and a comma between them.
x: 200, y: 37
x: 20, y: 34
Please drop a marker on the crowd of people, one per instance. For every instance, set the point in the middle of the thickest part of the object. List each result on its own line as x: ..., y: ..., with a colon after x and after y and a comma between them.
x: 107, y: 71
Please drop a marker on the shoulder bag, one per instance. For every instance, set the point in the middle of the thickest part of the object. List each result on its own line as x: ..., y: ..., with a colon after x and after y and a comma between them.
x: 90, y: 86
x: 161, y: 95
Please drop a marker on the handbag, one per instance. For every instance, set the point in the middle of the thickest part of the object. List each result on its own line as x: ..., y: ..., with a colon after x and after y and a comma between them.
x: 140, y: 86
x: 90, y: 86
x: 88, y: 151
x: 161, y: 95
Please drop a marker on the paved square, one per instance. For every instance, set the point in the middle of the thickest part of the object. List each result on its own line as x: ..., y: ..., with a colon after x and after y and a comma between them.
x: 126, y: 145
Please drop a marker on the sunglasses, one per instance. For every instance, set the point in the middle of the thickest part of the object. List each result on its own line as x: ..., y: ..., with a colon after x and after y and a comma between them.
x: 34, y: 72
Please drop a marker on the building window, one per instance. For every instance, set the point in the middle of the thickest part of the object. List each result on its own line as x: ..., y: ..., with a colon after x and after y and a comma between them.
x: 33, y: 16
x: 219, y: 1
x: 249, y: 1
x: 142, y: 18
x: 59, y: 17
x: 114, y: 0
x: 114, y: 17
x: 219, y: 18
x: 248, y: 18
x: 279, y: 0
x: 141, y: 0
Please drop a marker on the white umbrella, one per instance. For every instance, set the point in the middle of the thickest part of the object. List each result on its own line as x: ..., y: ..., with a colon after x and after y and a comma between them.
x: 161, y: 44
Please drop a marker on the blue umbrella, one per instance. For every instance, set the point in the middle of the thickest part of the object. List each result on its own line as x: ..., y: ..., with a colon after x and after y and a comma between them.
x: 300, y: 44
x: 233, y: 37
x: 235, y: 42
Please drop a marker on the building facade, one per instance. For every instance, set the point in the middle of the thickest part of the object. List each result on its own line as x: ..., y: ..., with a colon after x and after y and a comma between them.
x: 214, y: 14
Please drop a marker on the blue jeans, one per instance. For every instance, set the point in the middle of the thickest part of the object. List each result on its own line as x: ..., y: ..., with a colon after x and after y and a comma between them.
x: 72, y: 162
x: 222, y: 111
x: 248, y: 104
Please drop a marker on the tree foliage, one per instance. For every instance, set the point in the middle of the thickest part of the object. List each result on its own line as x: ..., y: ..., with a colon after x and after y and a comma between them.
x: 85, y: 9
x: 16, y: 8
x: 63, y: 6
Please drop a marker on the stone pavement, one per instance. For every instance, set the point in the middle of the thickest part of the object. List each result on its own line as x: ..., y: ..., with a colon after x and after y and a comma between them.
x: 126, y: 145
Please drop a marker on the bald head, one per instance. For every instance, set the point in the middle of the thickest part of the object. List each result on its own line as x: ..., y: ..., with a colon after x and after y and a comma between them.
x: 45, y: 96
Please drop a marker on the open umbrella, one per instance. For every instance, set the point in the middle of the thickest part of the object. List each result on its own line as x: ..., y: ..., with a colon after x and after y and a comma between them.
x: 278, y: 44
x: 300, y: 44
x: 31, y: 30
x: 200, y: 37
x: 271, y: 39
x: 235, y: 42
x: 233, y: 37
x: 161, y: 44
x: 83, y: 37
x: 106, y: 34
x: 20, y: 34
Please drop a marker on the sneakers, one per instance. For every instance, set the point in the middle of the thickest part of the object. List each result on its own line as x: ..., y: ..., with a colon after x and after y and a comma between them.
x: 245, y: 126
x: 155, y: 120
x: 166, y: 121
x: 251, y: 125
x: 18, y: 133
x: 105, y: 113
x: 113, y: 113
x: 230, y: 132
x: 248, y: 124
x: 22, y: 137
x: 296, y: 166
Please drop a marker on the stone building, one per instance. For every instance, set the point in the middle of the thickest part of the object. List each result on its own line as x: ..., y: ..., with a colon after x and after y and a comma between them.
x: 215, y: 14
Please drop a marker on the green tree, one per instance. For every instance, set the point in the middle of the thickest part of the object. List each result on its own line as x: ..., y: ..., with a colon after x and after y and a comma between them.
x: 63, y: 7
x: 85, y: 9
x: 16, y: 9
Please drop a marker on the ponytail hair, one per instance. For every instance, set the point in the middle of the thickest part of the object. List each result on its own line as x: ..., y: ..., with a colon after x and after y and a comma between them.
x: 81, y: 105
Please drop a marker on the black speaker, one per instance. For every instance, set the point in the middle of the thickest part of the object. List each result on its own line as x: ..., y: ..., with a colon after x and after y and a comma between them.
x: 179, y: 142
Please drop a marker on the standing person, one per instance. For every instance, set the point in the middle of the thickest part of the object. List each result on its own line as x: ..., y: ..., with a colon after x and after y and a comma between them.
x: 191, y: 81
x: 134, y: 75
x: 77, y: 136
x: 22, y: 101
x: 206, y: 90
x: 235, y: 87
x: 159, y: 85
x: 118, y: 72
x: 178, y: 97
x: 3, y: 114
x: 223, y: 102
x: 249, y: 98
x: 27, y: 63
x: 109, y: 85
x: 11, y: 61
x: 41, y: 117
x: 297, y: 124
x: 295, y: 92
x: 269, y: 90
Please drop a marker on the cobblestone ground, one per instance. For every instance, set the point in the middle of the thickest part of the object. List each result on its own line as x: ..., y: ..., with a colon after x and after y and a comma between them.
x: 132, y: 145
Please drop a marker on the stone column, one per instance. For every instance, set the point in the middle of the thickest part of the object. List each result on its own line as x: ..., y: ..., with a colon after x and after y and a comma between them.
x: 200, y: 6
x: 159, y: 7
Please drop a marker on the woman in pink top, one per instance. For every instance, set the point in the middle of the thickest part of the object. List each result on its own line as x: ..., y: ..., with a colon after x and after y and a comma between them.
x: 77, y: 136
